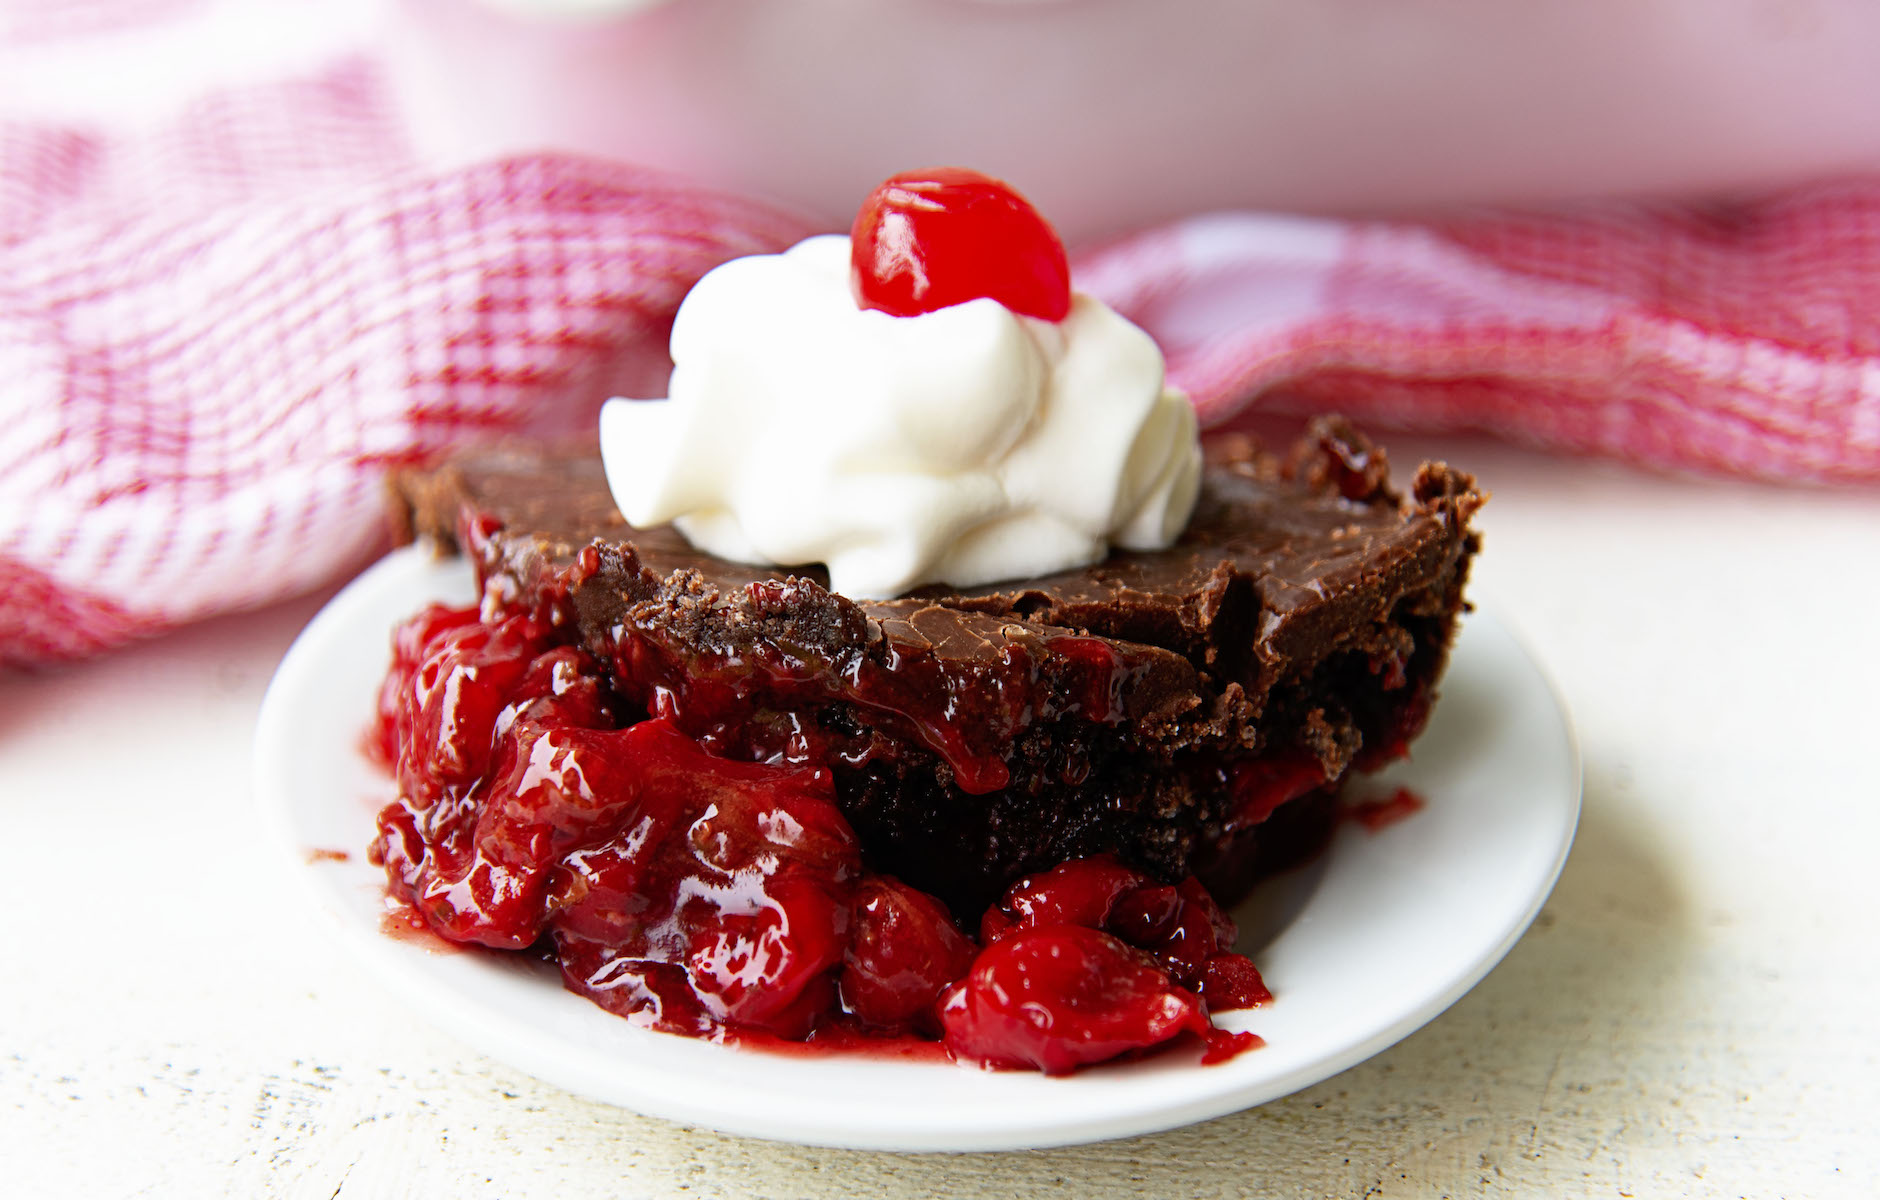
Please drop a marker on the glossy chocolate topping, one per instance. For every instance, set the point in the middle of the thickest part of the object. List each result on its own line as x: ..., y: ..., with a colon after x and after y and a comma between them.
x: 1282, y: 565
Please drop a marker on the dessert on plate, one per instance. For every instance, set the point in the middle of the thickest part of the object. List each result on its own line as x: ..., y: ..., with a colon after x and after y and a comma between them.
x: 909, y: 671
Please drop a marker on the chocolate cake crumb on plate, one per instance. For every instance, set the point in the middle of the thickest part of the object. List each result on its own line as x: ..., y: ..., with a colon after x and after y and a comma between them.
x: 1191, y: 709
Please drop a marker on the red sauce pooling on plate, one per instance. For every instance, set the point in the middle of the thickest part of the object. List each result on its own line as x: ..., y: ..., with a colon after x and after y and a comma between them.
x: 1223, y: 1045
x: 1380, y: 814
x: 403, y: 923
x: 843, y: 1038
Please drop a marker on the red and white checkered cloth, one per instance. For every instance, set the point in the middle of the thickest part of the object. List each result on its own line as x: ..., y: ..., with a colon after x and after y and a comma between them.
x: 215, y: 335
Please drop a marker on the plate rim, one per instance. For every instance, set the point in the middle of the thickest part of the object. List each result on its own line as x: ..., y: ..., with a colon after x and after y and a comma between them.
x: 412, y: 972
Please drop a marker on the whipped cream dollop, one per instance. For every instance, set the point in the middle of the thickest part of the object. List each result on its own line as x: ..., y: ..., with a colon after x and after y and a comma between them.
x: 962, y: 446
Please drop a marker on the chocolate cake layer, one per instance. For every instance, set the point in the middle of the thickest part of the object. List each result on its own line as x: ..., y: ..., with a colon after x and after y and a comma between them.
x: 1144, y: 704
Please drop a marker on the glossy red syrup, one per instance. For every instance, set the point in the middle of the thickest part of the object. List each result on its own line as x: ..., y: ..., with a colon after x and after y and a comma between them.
x: 1259, y: 786
x: 839, y: 1038
x: 403, y: 923
x: 1057, y: 997
x: 747, y: 706
x: 1221, y: 1045
x: 929, y: 239
x: 1103, y: 674
x: 903, y: 951
x: 1180, y: 928
x: 540, y: 806
x: 1381, y: 814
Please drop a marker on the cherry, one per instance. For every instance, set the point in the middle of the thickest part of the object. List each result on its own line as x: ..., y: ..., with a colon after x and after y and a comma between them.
x: 903, y: 951
x: 1231, y: 981
x: 1187, y: 934
x: 652, y: 994
x: 738, y: 874
x: 471, y: 857
x: 1056, y: 997
x: 410, y: 643
x: 928, y: 239
x: 1079, y: 892
x: 1225, y: 931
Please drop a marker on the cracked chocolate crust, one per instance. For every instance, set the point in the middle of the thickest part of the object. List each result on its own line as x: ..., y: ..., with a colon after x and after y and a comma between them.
x: 980, y: 733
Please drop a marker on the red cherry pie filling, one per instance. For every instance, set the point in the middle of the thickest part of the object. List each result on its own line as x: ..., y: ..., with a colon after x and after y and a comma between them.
x: 539, y: 807
x: 730, y: 803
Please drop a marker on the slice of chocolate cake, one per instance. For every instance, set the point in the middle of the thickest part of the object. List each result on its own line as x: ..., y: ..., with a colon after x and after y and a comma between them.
x: 1178, y: 707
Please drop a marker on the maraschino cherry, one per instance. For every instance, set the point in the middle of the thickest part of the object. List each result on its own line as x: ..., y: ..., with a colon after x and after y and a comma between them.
x: 929, y: 239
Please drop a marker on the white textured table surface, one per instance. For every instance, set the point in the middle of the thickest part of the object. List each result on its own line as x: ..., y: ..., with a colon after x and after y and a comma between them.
x: 1693, y: 1014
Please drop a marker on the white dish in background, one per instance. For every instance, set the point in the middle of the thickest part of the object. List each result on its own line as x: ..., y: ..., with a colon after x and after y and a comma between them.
x: 1384, y: 932
x: 1115, y: 116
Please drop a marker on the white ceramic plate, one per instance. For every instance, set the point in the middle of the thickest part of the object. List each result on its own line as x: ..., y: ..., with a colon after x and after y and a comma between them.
x: 1386, y: 931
